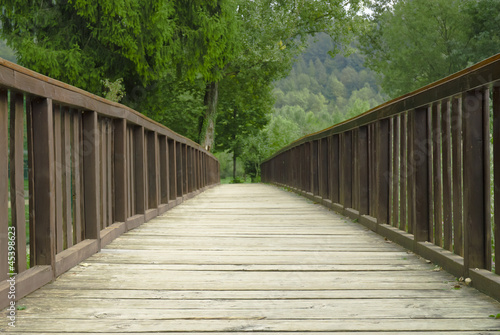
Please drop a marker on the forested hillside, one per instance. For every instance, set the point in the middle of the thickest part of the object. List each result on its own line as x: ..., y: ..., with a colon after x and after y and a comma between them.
x: 321, y: 91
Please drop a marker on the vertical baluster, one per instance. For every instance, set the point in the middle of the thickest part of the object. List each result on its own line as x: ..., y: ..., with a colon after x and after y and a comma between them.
x: 420, y: 161
x: 395, y: 171
x: 496, y: 173
x: 120, y: 170
x: 66, y: 170
x: 475, y: 245
x: 383, y: 167
x: 436, y: 172
x: 403, y: 171
x: 4, y: 180
x: 447, y: 191
x: 44, y: 180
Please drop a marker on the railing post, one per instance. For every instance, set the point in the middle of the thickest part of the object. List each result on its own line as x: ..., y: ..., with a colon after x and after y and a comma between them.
x: 120, y: 173
x: 324, y: 167
x: 347, y: 167
x: 364, y: 196
x: 91, y: 164
x: 420, y: 168
x: 17, y: 179
x: 140, y: 176
x: 476, y: 225
x: 496, y: 171
x: 4, y: 178
x: 334, y: 152
x: 178, y: 169
x: 152, y: 174
x: 383, y: 170
x: 164, y: 173
x: 314, y: 167
x: 44, y: 180
x: 172, y: 174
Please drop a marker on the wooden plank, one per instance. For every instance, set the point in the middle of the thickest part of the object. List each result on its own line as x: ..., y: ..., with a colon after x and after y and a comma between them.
x: 91, y: 164
x: 66, y: 178
x: 58, y: 179
x: 76, y: 144
x: 4, y: 182
x: 436, y: 175
x: 496, y: 172
x: 447, y: 175
x: 457, y: 181
x: 281, y: 280
x: 474, y: 160
x: 420, y: 160
x: 44, y: 180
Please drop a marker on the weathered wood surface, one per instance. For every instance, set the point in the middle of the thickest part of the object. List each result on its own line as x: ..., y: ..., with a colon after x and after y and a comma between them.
x: 253, y: 258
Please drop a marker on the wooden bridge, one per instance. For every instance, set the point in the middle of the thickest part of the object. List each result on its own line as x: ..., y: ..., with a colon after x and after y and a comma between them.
x: 117, y: 242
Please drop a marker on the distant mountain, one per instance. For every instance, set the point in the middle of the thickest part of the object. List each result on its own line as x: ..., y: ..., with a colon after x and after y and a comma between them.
x: 321, y: 91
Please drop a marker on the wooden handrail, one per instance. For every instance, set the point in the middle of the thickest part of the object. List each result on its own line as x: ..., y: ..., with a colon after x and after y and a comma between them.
x: 96, y: 169
x: 416, y: 170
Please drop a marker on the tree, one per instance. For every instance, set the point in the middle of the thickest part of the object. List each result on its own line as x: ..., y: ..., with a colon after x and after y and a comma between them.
x: 246, y: 102
x: 273, y: 32
x: 413, y: 43
x: 82, y: 42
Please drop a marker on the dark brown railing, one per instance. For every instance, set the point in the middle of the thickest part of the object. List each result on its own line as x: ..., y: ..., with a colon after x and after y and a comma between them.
x: 95, y: 169
x: 416, y: 170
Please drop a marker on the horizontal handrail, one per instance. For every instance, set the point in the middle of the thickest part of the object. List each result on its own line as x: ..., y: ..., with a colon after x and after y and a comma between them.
x: 416, y: 170
x: 96, y: 169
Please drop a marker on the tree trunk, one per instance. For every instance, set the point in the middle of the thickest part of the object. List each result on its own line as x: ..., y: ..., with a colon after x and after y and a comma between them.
x: 207, y: 135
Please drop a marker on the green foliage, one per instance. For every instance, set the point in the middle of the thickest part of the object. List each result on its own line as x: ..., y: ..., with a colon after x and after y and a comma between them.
x: 342, y: 88
x: 114, y: 91
x: 413, y: 43
x: 81, y: 41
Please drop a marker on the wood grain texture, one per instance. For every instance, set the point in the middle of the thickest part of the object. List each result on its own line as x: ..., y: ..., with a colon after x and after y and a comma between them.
x: 254, y: 258
x: 4, y: 181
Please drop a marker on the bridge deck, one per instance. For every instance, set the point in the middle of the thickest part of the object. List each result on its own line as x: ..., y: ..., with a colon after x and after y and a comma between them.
x: 242, y: 258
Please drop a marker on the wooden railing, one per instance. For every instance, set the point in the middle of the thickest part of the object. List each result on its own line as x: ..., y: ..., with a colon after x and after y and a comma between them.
x: 95, y: 170
x: 416, y: 170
